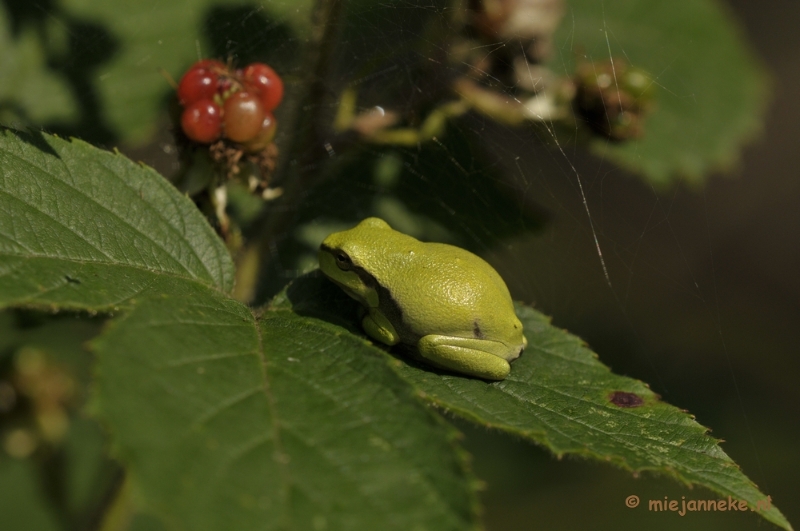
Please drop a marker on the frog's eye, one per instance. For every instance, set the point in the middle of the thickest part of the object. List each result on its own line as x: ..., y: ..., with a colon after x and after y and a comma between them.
x: 343, y: 261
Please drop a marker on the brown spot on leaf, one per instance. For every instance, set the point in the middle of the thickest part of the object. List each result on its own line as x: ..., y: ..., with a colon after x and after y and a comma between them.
x: 624, y: 399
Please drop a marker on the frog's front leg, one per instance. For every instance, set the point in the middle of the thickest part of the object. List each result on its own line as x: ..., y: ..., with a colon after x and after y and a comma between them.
x: 475, y: 357
x: 378, y: 327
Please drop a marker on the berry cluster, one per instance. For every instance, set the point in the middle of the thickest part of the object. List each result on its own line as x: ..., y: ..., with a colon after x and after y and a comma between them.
x: 220, y: 102
x: 613, y: 98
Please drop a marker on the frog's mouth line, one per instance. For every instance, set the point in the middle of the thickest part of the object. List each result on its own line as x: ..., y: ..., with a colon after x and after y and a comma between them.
x: 365, y: 278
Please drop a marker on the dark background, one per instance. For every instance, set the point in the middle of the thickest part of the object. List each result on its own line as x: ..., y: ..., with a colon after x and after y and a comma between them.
x: 704, y: 305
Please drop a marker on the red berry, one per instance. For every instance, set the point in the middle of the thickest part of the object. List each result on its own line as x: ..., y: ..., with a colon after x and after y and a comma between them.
x: 264, y: 137
x: 266, y: 83
x: 201, y: 121
x: 197, y: 84
x: 243, y: 116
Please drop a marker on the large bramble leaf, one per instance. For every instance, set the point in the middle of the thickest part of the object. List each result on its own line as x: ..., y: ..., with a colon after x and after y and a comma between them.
x: 234, y: 422
x: 224, y: 419
x: 560, y: 396
x: 86, y: 228
x: 711, y: 92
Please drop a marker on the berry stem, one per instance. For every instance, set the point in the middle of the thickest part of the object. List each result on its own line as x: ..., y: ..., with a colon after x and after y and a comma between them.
x: 166, y: 75
x: 305, y: 131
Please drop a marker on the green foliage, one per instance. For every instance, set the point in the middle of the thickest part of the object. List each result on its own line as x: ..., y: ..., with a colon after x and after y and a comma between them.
x: 62, y: 199
x: 67, y: 482
x: 287, y: 417
x: 22, y: 505
x: 277, y: 423
x: 560, y: 396
x: 340, y: 455
x: 92, y: 68
x: 224, y: 416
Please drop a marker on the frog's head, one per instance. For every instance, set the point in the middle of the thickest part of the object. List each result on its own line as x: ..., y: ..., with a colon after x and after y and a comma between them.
x: 345, y: 257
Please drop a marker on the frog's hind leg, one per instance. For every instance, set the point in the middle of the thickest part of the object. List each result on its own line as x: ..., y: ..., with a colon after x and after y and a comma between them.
x: 460, y: 355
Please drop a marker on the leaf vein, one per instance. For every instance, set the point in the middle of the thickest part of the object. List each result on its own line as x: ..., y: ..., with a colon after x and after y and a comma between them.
x: 200, y: 359
x: 225, y: 404
x: 276, y: 428
x: 115, y: 215
x: 57, y: 222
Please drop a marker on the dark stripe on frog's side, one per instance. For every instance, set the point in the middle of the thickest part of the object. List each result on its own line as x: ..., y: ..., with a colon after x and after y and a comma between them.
x: 386, y: 302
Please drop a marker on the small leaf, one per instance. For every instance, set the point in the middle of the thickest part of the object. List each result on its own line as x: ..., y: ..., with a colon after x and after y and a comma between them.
x: 23, y: 506
x: 79, y: 452
x: 229, y: 422
x: 560, y: 396
x: 711, y: 93
x: 9, y: 334
x: 84, y: 228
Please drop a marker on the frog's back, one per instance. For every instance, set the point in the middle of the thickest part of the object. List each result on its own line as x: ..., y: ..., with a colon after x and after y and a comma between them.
x: 465, y: 296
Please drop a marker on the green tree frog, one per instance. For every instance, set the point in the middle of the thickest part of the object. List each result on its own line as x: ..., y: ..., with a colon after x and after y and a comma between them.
x: 449, y: 303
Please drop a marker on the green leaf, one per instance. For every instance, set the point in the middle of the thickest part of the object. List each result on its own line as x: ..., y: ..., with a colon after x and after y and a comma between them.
x: 85, y: 228
x: 226, y: 421
x: 9, y: 334
x: 233, y: 422
x: 560, y: 396
x: 23, y: 506
x: 711, y: 92
x: 90, y: 472
x: 75, y: 472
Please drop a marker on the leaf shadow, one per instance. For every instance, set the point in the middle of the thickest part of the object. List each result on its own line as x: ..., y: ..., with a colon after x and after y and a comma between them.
x: 35, y: 139
x: 313, y: 295
x: 88, y: 47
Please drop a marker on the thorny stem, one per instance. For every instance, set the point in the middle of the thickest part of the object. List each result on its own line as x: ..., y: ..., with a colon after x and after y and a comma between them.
x: 295, y: 169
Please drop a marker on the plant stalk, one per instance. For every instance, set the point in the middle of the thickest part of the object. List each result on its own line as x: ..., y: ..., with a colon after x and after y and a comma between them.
x: 297, y: 166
